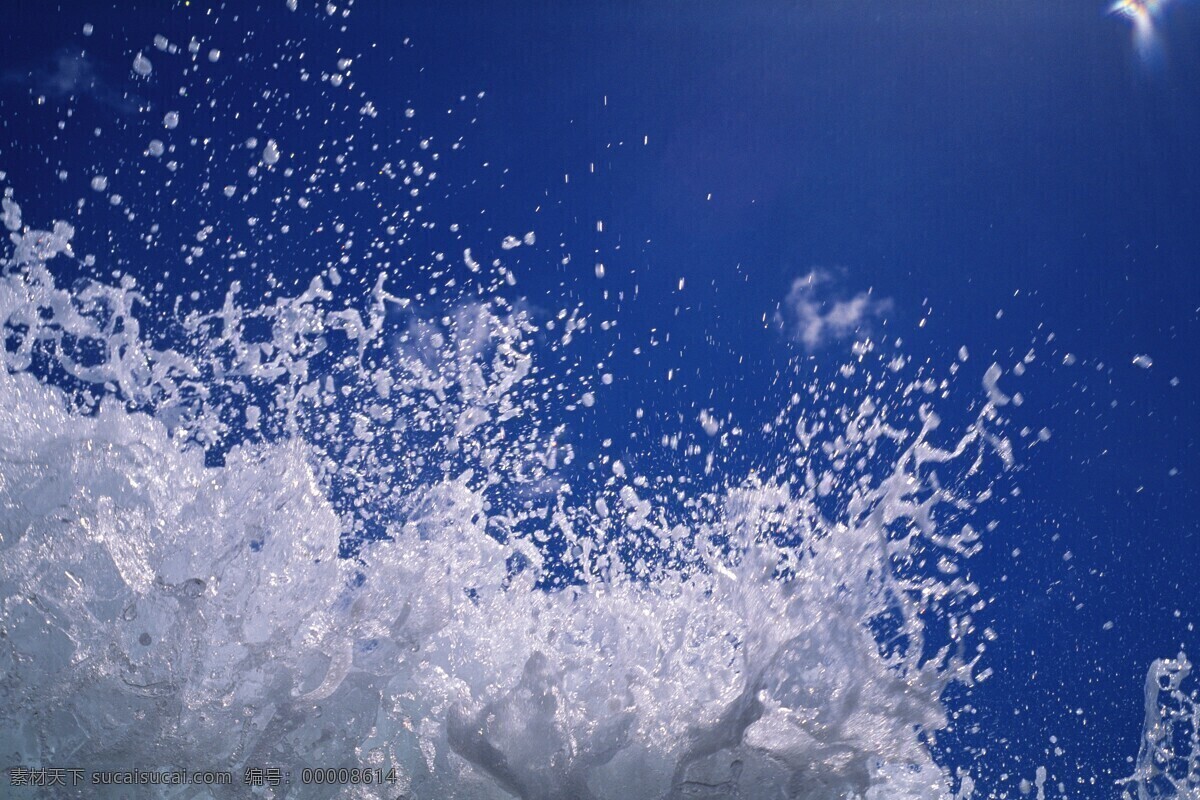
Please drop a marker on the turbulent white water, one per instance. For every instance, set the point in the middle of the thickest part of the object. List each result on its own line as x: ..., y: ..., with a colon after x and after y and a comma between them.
x: 174, y: 592
x: 159, y: 611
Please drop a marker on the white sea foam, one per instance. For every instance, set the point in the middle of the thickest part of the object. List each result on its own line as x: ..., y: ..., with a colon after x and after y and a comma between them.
x: 756, y: 641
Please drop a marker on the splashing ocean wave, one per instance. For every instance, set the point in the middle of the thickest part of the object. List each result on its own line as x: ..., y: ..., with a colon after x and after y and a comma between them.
x: 350, y: 529
x: 784, y: 634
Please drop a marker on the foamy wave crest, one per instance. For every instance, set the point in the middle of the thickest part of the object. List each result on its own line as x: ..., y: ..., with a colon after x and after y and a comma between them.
x: 175, y: 589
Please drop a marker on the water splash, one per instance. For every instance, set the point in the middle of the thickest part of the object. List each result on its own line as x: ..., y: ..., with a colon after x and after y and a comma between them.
x: 354, y: 526
x: 1168, y: 761
x: 793, y: 631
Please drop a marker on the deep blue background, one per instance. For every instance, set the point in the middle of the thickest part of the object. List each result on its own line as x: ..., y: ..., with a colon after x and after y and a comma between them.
x: 960, y: 158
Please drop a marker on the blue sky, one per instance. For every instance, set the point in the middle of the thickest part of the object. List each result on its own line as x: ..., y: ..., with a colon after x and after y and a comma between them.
x: 1001, y: 176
